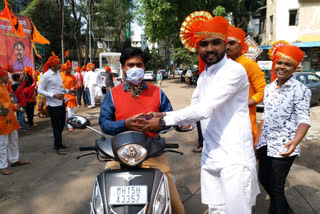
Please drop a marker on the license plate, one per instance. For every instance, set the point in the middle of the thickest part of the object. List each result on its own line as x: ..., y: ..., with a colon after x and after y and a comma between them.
x: 125, y: 195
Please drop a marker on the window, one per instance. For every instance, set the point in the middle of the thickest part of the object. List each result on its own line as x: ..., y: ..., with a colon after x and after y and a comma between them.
x: 271, y: 24
x: 313, y: 79
x: 293, y: 17
x: 302, y: 79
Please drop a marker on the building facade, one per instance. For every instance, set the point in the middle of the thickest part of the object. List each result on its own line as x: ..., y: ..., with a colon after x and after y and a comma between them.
x: 297, y: 22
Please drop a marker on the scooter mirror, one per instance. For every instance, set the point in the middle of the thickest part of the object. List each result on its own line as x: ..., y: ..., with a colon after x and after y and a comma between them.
x: 78, y: 122
x: 185, y: 128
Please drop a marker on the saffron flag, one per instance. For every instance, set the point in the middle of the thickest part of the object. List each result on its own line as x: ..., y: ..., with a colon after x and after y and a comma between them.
x: 66, y: 54
x: 36, y: 36
x: 9, y: 15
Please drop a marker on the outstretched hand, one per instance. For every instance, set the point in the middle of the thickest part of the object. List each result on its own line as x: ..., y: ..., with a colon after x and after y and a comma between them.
x: 134, y: 123
x: 155, y: 114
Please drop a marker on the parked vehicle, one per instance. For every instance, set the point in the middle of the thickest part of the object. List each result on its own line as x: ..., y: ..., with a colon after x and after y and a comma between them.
x: 116, y: 79
x: 178, y: 71
x: 130, y: 189
x: 149, y: 75
x: 194, y: 78
x: 183, y: 75
x: 164, y: 73
x: 311, y: 80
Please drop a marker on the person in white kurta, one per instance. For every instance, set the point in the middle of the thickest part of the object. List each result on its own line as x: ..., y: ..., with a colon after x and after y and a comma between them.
x: 92, y: 80
x: 220, y: 101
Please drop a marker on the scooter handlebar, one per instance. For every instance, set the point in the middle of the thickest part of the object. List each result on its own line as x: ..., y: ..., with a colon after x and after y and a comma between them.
x: 87, y: 148
x: 172, y: 146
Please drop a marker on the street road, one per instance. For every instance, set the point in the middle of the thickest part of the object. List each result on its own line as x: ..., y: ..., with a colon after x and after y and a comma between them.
x: 54, y: 184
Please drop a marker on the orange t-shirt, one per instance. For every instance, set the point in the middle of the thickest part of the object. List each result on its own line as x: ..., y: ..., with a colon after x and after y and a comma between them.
x: 256, y: 88
x: 8, y: 123
x: 68, y: 82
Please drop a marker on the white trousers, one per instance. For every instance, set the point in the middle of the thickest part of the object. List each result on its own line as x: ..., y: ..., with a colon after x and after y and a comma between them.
x: 70, y: 113
x: 9, y: 149
x: 95, y: 93
x: 233, y: 189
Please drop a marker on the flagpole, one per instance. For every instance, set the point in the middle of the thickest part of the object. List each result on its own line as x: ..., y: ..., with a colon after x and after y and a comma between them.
x: 62, y: 24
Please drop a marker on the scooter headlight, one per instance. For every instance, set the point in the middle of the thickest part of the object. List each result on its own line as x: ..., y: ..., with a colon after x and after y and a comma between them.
x: 96, y: 202
x: 162, y: 200
x: 132, y: 154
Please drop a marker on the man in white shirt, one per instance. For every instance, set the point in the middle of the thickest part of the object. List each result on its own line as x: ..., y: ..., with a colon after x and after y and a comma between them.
x: 92, y: 80
x: 50, y: 86
x: 220, y: 101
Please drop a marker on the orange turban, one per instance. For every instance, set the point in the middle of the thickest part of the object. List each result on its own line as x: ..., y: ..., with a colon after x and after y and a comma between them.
x: 36, y: 73
x: 89, y: 66
x: 3, y: 71
x: 78, y: 69
x: 200, y: 25
x: 63, y: 68
x: 28, y: 70
x: 68, y: 65
x: 52, y: 61
x: 282, y: 49
x: 84, y: 68
x: 107, y: 68
x: 239, y: 36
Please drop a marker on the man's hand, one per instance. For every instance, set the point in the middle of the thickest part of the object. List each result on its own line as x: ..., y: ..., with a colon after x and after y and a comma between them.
x: 58, y: 96
x: 156, y: 114
x: 134, y: 123
x: 291, y: 145
x: 152, y: 125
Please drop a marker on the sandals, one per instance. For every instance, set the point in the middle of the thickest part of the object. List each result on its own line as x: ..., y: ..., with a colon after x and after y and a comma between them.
x: 5, y: 171
x: 19, y: 163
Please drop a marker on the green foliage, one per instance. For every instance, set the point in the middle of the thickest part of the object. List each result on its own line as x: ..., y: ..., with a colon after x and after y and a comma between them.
x: 182, y: 56
x: 112, y: 19
x: 219, y: 11
x: 156, y: 60
x: 45, y: 15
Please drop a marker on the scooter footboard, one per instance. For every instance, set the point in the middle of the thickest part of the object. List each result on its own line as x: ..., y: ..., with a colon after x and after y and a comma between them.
x: 140, y: 191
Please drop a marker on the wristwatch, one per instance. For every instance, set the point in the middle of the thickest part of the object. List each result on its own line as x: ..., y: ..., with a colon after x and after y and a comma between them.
x: 161, y: 122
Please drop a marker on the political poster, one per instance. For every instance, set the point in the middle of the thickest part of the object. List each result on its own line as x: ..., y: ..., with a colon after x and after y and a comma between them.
x: 14, y: 50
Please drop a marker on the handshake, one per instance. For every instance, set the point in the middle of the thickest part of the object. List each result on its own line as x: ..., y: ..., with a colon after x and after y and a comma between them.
x: 149, y: 122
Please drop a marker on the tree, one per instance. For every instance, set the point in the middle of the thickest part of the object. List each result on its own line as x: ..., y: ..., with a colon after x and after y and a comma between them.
x: 182, y: 56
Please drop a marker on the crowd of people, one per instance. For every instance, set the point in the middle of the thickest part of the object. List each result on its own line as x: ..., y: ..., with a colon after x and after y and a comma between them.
x: 54, y: 92
x: 223, y: 104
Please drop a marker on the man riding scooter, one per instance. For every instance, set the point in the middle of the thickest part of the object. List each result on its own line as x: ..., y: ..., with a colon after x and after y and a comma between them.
x: 126, y: 105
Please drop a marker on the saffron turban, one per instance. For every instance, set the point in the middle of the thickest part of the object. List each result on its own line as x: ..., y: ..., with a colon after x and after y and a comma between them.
x: 200, y: 25
x: 107, y: 68
x: 239, y: 36
x: 63, y: 68
x: 67, y: 65
x: 52, y: 61
x: 84, y: 68
x: 283, y: 49
x: 89, y: 66
x: 28, y: 70
x: 78, y: 69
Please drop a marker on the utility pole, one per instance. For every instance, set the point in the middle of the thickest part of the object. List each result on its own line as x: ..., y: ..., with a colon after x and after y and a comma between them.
x: 89, y: 31
x: 62, y: 24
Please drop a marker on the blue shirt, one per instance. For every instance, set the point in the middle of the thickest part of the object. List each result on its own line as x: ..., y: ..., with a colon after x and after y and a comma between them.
x: 107, y: 112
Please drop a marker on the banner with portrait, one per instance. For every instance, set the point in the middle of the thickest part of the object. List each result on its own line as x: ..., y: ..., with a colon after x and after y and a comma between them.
x: 14, y: 50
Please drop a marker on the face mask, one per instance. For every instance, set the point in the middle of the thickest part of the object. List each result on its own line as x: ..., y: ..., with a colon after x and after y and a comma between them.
x: 134, y: 75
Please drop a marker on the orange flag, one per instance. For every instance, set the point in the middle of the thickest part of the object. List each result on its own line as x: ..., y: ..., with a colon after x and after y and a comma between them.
x: 36, y: 36
x: 66, y: 54
x: 9, y: 15
x: 35, y: 50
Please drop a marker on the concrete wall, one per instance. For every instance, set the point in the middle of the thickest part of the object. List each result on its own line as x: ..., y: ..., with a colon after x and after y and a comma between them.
x: 308, y: 21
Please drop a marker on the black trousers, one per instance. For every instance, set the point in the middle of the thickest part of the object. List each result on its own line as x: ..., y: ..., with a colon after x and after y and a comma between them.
x: 272, y: 175
x: 200, y: 137
x: 58, y: 117
x: 79, y: 94
x: 30, y: 112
